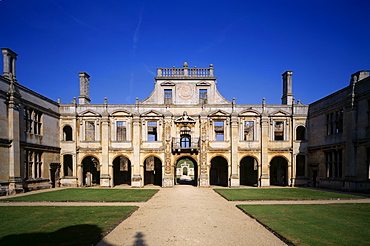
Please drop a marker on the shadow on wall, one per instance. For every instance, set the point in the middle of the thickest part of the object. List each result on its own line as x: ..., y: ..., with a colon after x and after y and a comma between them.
x: 71, y: 235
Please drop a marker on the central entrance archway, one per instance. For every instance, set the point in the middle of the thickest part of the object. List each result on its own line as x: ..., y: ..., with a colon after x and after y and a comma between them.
x: 219, y: 172
x: 153, y: 171
x: 186, y: 171
x: 121, y: 171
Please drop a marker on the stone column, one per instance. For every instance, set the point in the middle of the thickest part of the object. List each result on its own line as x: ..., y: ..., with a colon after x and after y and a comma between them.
x: 136, y: 177
x: 105, y: 178
x: 234, y: 179
x: 203, y: 177
x: 264, y: 165
x: 80, y: 177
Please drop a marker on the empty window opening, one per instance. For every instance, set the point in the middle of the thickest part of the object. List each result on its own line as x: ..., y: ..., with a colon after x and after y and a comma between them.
x: 202, y: 95
x: 167, y: 96
x: 278, y: 130
x: 152, y: 131
x: 219, y: 130
x: 90, y: 131
x: 121, y: 131
x: 68, y: 167
x: 248, y: 130
x: 67, y: 133
x: 300, y: 133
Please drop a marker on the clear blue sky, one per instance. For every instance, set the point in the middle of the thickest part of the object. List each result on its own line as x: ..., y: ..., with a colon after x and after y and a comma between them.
x: 121, y: 43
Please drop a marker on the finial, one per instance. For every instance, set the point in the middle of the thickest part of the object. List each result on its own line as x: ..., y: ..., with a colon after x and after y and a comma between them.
x: 210, y: 65
x: 185, y: 64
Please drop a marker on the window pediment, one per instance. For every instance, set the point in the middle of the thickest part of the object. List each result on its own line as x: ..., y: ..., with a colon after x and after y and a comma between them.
x: 219, y: 113
x: 152, y: 113
x: 89, y: 113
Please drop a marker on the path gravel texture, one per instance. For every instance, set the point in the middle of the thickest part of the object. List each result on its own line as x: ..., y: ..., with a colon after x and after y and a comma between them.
x: 188, y: 215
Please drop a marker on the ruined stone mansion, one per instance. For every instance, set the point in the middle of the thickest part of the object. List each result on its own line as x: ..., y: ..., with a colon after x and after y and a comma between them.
x: 185, y: 127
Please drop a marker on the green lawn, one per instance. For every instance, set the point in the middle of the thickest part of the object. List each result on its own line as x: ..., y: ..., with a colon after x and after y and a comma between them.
x: 82, y: 194
x: 318, y: 224
x: 58, y: 225
x: 278, y: 194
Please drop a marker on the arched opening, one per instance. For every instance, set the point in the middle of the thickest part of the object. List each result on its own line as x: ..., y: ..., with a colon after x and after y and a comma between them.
x: 278, y: 171
x: 249, y: 171
x: 67, y: 133
x: 153, y: 171
x: 91, y: 171
x: 121, y: 171
x: 300, y: 133
x: 186, y: 171
x: 219, y: 172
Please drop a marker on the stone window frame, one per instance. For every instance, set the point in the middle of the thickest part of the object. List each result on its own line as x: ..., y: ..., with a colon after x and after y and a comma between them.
x: 334, y: 122
x: 334, y: 163
x: 121, y: 131
x: 33, y: 121
x: 168, y: 95
x: 34, y: 164
x: 243, y: 121
x: 67, y: 136
x: 68, y: 166
x: 299, y: 135
x: 96, y: 122
x: 275, y: 128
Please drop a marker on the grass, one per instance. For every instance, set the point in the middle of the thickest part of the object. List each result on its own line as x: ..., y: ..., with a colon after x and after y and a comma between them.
x: 317, y: 224
x: 82, y: 194
x: 279, y: 194
x: 58, y: 225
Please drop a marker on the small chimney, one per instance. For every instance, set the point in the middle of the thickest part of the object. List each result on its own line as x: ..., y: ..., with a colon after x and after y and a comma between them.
x: 84, y: 97
x: 287, y: 98
x: 9, y: 58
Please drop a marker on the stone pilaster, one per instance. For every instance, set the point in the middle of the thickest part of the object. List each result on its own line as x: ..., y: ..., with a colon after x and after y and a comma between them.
x: 234, y: 179
x: 105, y: 178
x: 203, y: 177
x: 15, y: 181
x: 168, y: 174
x: 137, y: 180
x: 264, y: 165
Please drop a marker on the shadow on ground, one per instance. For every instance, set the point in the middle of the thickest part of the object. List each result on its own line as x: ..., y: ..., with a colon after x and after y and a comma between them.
x: 71, y: 235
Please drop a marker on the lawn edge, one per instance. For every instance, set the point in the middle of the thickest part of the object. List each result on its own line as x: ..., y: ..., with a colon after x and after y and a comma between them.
x: 282, y: 238
x: 114, y: 227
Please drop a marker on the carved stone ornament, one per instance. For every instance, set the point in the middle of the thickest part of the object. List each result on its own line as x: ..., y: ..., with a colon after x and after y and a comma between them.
x: 185, y: 91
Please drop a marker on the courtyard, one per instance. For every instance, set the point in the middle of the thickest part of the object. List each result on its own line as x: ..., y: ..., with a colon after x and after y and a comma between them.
x: 185, y: 215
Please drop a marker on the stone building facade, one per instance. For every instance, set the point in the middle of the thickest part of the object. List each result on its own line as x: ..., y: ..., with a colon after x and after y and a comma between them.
x: 184, y: 124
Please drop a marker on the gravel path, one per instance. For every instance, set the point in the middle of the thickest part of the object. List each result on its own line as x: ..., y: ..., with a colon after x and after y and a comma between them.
x: 187, y: 215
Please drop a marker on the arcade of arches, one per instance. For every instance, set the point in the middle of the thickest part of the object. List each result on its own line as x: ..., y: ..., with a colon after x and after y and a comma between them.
x: 186, y: 171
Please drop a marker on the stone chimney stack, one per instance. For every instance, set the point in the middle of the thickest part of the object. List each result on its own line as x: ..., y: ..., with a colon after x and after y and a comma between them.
x: 84, y: 97
x: 287, y: 98
x: 9, y: 58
